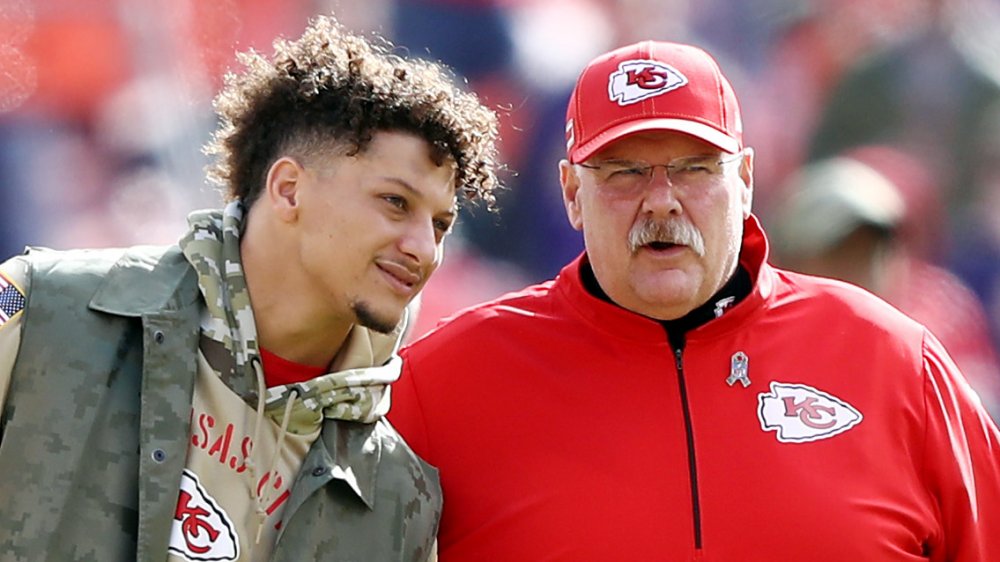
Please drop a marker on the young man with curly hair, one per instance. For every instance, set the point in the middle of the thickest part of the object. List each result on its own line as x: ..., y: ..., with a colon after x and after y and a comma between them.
x: 222, y: 398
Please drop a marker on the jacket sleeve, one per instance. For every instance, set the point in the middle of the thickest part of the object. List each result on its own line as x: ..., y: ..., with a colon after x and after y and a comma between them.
x: 961, y: 462
x: 406, y: 414
x: 13, y: 293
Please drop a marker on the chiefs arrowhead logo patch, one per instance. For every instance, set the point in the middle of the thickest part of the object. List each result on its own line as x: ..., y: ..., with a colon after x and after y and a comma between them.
x: 798, y: 413
x: 636, y: 80
x: 202, y: 530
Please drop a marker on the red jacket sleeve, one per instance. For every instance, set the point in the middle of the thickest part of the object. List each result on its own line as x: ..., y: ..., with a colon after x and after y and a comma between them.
x: 961, y: 463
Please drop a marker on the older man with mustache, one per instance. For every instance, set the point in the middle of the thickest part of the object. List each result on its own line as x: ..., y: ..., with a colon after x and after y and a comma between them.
x: 671, y: 395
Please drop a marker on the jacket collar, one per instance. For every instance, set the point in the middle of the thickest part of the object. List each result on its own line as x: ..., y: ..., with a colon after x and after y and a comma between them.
x: 346, y: 451
x: 146, y: 280
x: 353, y: 452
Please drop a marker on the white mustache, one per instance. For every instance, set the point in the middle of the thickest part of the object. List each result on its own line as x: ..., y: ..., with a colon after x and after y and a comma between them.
x: 674, y: 231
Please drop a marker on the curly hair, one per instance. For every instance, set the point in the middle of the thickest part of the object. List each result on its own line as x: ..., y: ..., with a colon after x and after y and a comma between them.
x: 331, y: 88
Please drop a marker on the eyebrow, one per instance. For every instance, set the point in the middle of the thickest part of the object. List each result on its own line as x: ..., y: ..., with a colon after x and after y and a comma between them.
x: 402, y: 183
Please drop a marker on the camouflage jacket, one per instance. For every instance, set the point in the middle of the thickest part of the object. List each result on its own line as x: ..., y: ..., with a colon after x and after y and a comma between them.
x: 97, y: 423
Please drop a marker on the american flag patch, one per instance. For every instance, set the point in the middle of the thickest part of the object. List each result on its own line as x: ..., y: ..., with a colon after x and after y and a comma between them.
x: 11, y: 299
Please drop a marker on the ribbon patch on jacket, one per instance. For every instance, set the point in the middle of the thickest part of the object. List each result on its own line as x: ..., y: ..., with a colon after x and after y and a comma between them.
x: 798, y: 413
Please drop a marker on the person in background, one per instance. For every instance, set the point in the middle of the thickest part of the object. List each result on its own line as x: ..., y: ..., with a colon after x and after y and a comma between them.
x: 223, y: 398
x: 846, y: 220
x: 672, y: 395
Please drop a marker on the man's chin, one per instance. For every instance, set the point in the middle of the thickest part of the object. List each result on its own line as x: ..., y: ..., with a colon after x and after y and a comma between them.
x: 670, y: 300
x: 379, y: 322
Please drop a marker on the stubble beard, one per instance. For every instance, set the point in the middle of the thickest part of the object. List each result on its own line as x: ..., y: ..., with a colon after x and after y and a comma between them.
x: 369, y: 319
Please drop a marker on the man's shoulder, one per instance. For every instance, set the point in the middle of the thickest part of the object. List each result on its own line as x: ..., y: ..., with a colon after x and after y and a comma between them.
x: 90, y: 260
x: 400, y: 469
x: 357, y: 440
x: 843, y: 302
x: 118, y: 280
x: 15, y: 277
x: 38, y: 266
x: 397, y: 451
x: 513, y: 307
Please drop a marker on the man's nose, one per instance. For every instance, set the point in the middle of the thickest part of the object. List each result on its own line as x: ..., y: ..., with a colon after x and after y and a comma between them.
x: 420, y: 242
x: 660, y: 196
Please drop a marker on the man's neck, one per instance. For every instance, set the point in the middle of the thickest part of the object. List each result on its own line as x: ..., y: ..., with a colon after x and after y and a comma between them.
x: 288, y: 321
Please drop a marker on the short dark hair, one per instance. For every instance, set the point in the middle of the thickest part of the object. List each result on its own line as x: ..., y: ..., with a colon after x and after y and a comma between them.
x: 332, y: 88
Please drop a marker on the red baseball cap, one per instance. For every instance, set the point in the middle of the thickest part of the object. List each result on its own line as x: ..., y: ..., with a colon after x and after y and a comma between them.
x: 649, y: 86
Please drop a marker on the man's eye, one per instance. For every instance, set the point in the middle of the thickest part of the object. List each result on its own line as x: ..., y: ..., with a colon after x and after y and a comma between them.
x: 395, y: 201
x: 696, y: 168
x: 634, y: 171
x: 442, y: 226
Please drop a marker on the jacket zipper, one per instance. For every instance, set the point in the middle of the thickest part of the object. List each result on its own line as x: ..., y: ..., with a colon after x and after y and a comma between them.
x: 689, y: 431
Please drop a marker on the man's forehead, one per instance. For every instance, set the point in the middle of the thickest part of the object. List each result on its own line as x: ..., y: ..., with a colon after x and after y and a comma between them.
x: 679, y: 144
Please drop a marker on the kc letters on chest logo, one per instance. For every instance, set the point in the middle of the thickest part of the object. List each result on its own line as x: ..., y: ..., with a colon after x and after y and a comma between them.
x: 201, y: 530
x: 636, y: 80
x: 800, y: 413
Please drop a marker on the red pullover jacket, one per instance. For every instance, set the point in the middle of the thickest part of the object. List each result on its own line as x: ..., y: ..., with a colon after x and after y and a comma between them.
x: 568, y: 429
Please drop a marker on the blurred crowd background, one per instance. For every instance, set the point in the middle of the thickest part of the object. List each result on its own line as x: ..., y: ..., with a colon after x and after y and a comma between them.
x: 876, y: 125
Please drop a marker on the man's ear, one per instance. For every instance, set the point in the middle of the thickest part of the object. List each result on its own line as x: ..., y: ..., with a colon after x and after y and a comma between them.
x: 746, y: 173
x: 284, y: 179
x: 570, y: 191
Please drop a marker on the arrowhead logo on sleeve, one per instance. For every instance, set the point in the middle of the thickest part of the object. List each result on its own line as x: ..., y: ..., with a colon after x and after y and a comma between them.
x: 636, y: 80
x: 798, y: 413
x: 202, y: 530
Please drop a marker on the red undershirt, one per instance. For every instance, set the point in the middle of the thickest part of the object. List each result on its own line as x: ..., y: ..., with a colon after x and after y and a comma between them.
x: 279, y: 371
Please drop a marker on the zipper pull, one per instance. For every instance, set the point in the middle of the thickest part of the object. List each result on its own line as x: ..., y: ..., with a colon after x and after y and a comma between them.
x: 739, y: 369
x: 722, y: 305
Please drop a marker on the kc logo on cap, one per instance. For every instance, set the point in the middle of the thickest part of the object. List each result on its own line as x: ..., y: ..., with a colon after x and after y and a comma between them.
x: 636, y: 80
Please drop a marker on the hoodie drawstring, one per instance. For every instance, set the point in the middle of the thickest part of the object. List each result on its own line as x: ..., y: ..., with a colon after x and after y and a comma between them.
x: 262, y: 500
